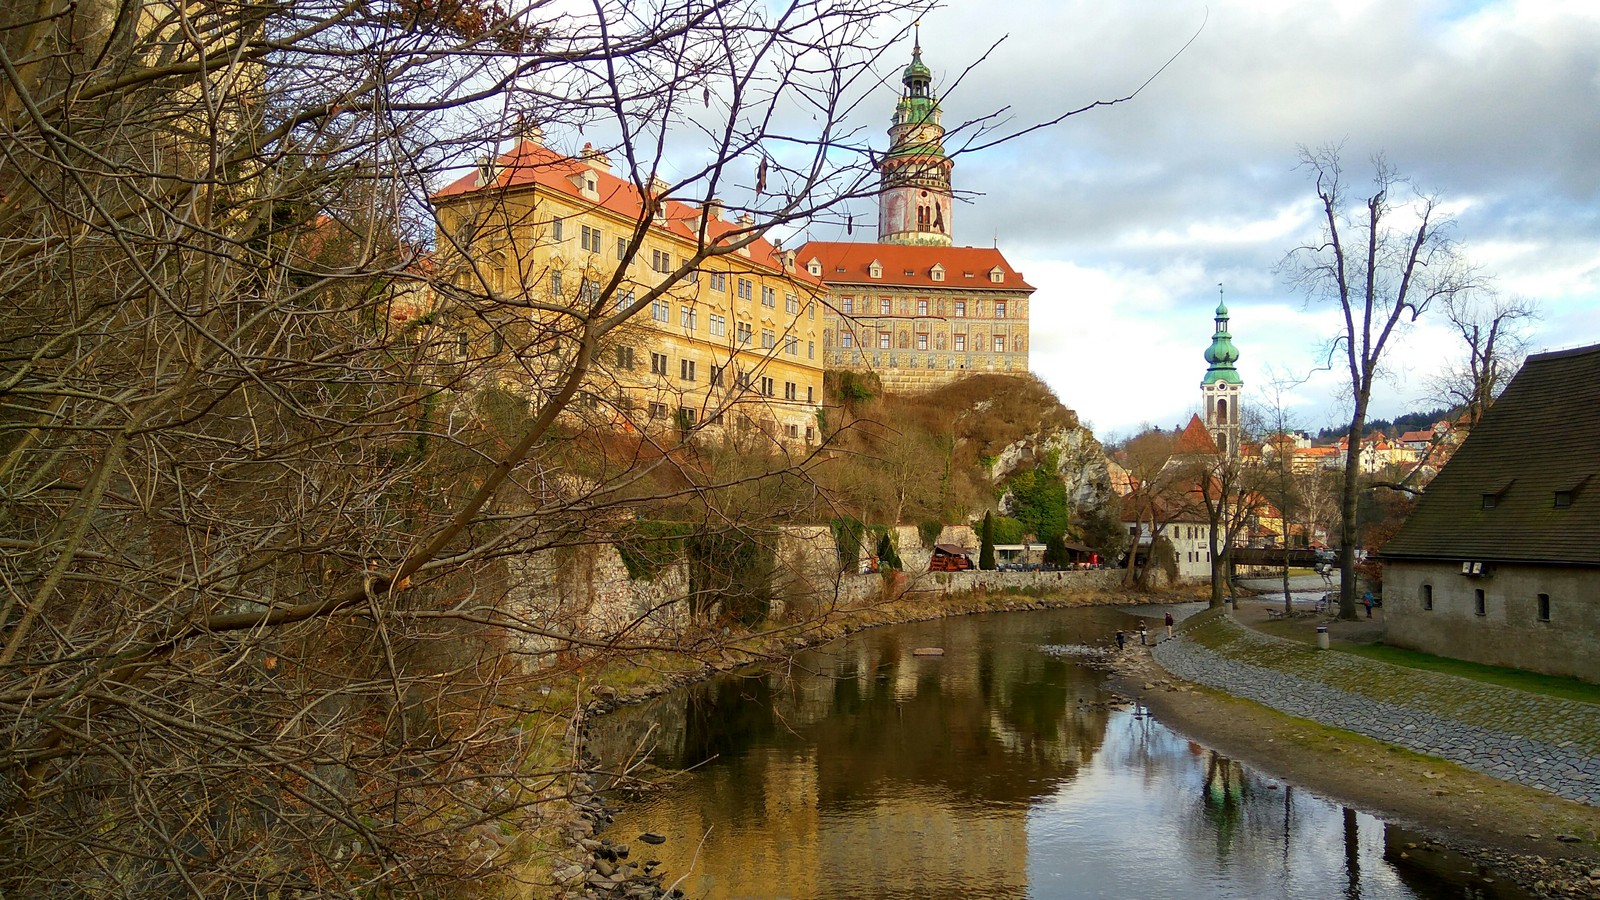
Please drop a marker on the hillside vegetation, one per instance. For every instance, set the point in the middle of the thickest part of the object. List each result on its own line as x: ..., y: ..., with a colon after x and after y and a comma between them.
x: 987, y: 442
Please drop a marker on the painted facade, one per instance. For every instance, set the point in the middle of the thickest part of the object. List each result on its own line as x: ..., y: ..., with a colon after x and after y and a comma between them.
x: 915, y: 308
x: 734, y: 341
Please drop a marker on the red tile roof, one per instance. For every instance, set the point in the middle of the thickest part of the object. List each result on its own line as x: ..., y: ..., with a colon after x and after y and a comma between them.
x: 533, y: 164
x: 845, y: 262
x: 1414, y: 437
x: 1195, y: 439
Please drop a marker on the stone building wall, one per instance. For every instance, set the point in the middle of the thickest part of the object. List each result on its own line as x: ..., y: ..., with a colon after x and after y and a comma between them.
x: 1509, y: 631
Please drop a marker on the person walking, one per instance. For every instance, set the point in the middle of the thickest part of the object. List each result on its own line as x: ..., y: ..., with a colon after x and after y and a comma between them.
x: 1142, y: 631
x: 1169, y: 626
x: 1367, y: 602
x: 1122, y: 640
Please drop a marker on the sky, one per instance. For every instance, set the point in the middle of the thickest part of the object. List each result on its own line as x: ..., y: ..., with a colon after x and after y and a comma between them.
x: 1126, y: 219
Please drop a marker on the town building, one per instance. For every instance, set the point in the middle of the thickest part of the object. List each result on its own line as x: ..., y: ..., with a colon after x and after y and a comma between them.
x: 1499, y: 562
x: 733, y: 340
x: 914, y: 307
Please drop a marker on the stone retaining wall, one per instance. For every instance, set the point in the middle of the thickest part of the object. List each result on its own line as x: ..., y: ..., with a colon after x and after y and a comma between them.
x: 587, y: 591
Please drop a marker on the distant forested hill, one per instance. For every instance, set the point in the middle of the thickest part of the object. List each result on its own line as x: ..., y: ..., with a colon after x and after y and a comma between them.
x: 1414, y: 421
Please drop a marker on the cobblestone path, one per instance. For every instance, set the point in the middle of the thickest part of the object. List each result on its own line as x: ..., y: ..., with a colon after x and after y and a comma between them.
x: 1550, y: 744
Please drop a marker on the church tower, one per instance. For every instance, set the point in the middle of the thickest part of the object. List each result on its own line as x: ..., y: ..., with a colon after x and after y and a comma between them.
x: 914, y: 201
x: 1221, y: 387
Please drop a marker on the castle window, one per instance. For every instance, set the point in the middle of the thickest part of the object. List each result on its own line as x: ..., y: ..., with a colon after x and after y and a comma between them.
x: 1478, y: 606
x: 1427, y: 596
x: 1544, y: 607
x: 922, y: 307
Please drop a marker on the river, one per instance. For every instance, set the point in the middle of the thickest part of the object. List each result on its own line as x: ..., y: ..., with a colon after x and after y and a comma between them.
x: 1004, y: 768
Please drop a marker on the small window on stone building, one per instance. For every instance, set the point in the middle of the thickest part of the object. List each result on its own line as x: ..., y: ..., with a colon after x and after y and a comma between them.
x: 1427, y: 596
x: 1477, y: 602
x: 1544, y: 607
x: 1563, y: 499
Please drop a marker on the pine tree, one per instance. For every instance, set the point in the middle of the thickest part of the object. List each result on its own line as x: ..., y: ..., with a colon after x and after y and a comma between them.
x: 986, y: 549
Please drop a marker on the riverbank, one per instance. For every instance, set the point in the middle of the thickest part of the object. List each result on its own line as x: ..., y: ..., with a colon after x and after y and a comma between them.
x: 1545, y: 843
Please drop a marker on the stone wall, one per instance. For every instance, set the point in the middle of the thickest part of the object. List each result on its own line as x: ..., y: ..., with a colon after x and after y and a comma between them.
x: 586, y: 591
x: 1509, y: 632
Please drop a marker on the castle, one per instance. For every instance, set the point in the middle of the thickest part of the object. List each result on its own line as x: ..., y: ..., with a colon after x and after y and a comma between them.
x: 914, y: 307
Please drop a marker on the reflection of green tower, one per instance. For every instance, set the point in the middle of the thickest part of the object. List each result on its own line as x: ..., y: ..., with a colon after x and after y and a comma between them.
x: 1221, y: 387
x: 914, y: 201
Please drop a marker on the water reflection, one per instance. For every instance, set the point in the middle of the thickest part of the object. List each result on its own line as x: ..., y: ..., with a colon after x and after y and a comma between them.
x: 998, y: 770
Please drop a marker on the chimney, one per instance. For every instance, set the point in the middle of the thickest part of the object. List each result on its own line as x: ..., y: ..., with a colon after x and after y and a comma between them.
x: 528, y: 130
x: 746, y: 219
x: 595, y: 159
x: 713, y: 209
x: 488, y: 170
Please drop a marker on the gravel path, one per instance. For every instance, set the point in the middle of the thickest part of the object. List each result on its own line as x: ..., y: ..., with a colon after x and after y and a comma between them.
x: 1550, y: 744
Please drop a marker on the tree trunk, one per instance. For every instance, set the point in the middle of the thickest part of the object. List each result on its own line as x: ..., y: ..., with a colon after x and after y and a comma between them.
x: 1347, y: 507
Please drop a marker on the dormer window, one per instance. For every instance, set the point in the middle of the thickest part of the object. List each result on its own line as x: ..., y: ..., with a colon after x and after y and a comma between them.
x: 937, y: 272
x: 1491, y: 497
x: 875, y: 269
x: 1564, y: 495
x: 997, y: 275
x: 814, y: 266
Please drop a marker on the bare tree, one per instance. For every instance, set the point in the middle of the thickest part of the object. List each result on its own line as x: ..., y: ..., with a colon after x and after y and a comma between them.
x: 1227, y: 490
x: 254, y: 636
x: 1160, y: 492
x: 1278, y: 484
x: 1494, y: 335
x: 1384, y: 259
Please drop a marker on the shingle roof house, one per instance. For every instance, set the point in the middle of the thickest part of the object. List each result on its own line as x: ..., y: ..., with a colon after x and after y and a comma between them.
x: 1500, y: 560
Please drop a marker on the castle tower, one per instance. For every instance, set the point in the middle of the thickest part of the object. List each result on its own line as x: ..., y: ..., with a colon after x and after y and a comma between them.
x: 1222, y: 386
x: 914, y: 200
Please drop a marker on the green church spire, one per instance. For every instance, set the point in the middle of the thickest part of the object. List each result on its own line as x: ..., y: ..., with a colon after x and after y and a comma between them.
x: 1222, y: 354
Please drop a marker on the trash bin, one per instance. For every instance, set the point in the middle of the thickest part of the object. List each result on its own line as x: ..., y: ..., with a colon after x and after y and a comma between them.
x: 1322, y: 637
